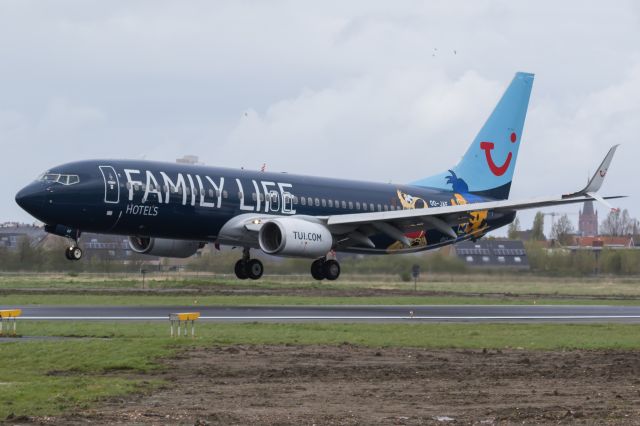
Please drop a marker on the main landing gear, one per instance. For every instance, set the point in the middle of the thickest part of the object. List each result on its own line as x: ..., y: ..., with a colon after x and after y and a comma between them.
x: 248, y: 268
x: 321, y: 269
x: 324, y: 268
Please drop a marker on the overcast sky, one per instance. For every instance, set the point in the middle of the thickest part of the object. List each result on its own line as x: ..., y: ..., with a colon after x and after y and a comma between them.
x: 385, y: 91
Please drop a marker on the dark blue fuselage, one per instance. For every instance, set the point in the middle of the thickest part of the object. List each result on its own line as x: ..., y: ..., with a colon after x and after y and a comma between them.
x: 192, y: 202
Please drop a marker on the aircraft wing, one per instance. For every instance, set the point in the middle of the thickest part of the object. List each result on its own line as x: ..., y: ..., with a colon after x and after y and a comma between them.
x: 356, y: 227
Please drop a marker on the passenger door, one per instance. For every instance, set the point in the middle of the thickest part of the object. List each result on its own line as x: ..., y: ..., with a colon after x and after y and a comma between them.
x: 111, y: 194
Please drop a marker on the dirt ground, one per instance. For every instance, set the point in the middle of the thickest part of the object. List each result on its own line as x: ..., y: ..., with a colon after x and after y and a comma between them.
x: 348, y: 385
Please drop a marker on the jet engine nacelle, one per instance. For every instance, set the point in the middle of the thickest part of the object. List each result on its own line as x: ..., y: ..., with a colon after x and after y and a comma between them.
x: 164, y: 247
x: 295, y: 237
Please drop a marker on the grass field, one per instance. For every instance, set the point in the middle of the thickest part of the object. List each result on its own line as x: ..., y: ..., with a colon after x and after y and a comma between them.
x: 18, y: 300
x: 473, y: 283
x: 72, y: 365
x: 95, y: 360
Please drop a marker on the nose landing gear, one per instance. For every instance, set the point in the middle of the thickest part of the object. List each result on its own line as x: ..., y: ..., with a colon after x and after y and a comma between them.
x: 325, y: 269
x: 73, y: 253
x: 248, y: 268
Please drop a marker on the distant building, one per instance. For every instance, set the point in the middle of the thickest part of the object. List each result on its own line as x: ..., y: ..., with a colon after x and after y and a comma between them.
x: 493, y: 254
x: 524, y: 235
x: 189, y: 159
x: 588, y: 220
x: 105, y: 247
x: 12, y: 232
x: 605, y: 242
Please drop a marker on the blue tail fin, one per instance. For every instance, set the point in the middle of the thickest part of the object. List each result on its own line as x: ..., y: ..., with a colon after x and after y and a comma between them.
x: 488, y: 165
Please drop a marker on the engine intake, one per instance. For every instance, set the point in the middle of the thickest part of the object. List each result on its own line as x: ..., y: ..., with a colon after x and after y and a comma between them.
x: 295, y: 237
x: 164, y: 247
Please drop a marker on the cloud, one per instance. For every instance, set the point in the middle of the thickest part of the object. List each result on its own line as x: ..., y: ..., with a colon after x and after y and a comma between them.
x: 368, y: 90
x: 377, y: 126
x: 62, y: 116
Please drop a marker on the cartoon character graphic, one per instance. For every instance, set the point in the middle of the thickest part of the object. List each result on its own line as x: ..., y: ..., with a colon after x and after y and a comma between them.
x: 416, y: 239
x: 408, y: 201
x: 476, y: 225
x: 477, y: 220
x: 457, y: 184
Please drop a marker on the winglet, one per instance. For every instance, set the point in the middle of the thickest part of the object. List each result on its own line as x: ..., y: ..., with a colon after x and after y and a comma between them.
x: 596, y: 181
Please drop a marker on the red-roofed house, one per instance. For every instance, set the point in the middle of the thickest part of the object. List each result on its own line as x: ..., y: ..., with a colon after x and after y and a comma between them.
x: 603, y: 241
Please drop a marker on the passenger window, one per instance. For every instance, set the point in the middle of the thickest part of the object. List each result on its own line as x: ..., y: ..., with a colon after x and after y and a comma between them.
x: 254, y: 197
x: 211, y: 193
x: 330, y: 203
x: 240, y: 195
x: 386, y: 208
x: 225, y: 194
x: 337, y: 203
x: 217, y: 193
x: 344, y: 204
x: 379, y: 208
x: 295, y: 199
x: 309, y: 201
x: 371, y: 207
x: 317, y: 202
x: 128, y: 185
x: 364, y: 206
x: 261, y: 197
x: 324, y: 202
x: 351, y: 205
x: 357, y: 205
x: 303, y: 201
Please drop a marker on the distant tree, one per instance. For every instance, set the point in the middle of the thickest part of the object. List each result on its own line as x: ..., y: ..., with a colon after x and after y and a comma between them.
x: 514, y: 228
x: 28, y: 256
x: 537, y: 230
x: 563, y: 230
x: 618, y: 223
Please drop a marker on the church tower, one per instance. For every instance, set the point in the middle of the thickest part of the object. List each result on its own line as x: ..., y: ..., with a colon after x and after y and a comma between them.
x: 588, y: 221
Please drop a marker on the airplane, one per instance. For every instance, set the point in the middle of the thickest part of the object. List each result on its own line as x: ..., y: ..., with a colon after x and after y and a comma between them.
x: 173, y: 210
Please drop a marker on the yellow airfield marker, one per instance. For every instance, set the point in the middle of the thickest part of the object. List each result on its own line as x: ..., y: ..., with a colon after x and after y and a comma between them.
x: 9, y: 316
x: 177, y: 319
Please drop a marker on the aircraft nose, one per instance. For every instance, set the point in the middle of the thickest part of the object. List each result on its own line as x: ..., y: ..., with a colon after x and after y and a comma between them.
x: 31, y: 198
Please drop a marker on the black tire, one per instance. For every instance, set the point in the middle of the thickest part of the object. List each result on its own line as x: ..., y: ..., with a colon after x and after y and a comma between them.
x: 75, y: 253
x: 241, y: 270
x: 254, y: 269
x: 67, y: 253
x: 331, y: 269
x: 317, y: 270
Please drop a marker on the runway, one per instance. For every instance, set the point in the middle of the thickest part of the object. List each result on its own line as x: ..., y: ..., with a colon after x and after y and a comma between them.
x: 430, y: 313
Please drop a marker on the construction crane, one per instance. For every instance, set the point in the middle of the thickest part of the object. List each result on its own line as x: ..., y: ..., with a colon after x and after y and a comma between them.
x: 554, y: 214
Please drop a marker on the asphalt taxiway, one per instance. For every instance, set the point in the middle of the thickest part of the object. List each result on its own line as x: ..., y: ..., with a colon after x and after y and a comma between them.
x: 351, y: 313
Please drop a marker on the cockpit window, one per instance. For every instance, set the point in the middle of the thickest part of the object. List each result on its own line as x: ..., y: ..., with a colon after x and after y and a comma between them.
x: 60, y: 178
